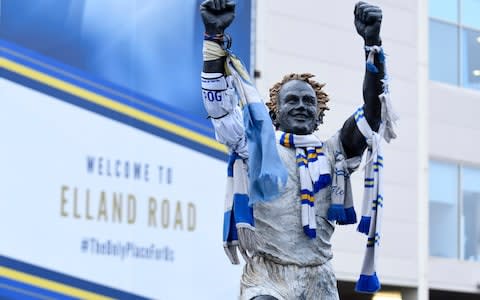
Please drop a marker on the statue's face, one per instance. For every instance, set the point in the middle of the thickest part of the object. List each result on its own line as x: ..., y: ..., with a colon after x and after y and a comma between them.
x: 297, y: 107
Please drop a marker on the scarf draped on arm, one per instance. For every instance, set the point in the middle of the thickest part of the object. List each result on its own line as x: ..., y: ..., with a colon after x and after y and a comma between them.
x: 255, y: 171
x: 372, y: 208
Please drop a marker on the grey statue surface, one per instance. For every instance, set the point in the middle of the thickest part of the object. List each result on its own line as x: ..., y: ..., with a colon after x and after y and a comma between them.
x: 289, y: 266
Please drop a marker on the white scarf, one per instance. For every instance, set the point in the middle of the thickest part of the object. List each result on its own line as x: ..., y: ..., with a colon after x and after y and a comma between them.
x: 314, y: 170
x: 372, y: 208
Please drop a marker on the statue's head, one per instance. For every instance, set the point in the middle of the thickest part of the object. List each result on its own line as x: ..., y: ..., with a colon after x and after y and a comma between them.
x: 297, y: 104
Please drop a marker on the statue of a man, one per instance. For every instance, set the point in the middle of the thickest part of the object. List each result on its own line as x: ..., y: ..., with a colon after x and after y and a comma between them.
x: 293, y: 260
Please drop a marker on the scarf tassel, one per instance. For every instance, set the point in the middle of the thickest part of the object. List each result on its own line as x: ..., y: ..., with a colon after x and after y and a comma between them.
x: 350, y: 216
x: 364, y: 225
x: 245, y: 228
x: 231, y: 252
x: 336, y: 212
x: 368, y: 284
x: 310, y: 232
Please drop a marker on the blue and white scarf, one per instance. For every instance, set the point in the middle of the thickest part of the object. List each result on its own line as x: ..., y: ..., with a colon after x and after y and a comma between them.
x: 238, y: 214
x: 372, y: 208
x: 250, y: 137
x: 314, y: 169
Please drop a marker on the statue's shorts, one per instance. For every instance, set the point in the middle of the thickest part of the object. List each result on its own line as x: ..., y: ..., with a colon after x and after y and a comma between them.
x: 288, y: 282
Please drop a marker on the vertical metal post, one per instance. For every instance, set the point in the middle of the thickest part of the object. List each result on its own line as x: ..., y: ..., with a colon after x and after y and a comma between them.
x: 422, y: 155
x: 460, y: 239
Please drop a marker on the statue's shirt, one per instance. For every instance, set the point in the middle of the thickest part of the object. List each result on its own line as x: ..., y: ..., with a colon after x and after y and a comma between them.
x: 278, y: 222
x: 290, y: 265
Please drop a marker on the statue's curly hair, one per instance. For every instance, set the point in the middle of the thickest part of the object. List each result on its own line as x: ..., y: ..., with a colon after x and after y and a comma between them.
x: 322, y: 97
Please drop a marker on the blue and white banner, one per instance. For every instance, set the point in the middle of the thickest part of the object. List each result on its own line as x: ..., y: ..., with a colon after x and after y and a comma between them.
x: 112, y: 184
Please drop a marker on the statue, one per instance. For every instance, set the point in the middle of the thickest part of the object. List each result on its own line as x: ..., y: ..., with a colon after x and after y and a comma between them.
x: 289, y: 258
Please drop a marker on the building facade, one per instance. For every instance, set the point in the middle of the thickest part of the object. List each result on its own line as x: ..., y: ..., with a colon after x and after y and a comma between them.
x: 438, y: 128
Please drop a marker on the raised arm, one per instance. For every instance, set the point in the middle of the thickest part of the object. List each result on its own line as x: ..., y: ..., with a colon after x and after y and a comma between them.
x: 368, y: 20
x: 216, y: 15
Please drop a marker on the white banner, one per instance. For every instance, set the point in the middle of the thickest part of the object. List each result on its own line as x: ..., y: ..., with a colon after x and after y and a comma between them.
x: 93, y: 198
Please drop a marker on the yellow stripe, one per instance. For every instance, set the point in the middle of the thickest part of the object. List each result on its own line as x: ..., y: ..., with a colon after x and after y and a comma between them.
x: 301, y: 159
x: 286, y: 140
x: 111, y: 104
x: 308, y: 197
x: 50, y: 285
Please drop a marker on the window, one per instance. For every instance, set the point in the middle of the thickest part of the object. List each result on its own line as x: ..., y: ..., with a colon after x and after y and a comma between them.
x: 454, y: 41
x: 454, y: 223
x: 471, y: 214
x: 443, y: 207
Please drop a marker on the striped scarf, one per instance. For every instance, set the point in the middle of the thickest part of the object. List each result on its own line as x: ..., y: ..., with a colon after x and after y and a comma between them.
x: 314, y: 170
x: 249, y: 135
x: 238, y: 214
x: 372, y: 208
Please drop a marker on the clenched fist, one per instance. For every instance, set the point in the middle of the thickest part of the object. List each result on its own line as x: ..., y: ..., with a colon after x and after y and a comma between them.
x: 217, y: 15
x: 368, y: 20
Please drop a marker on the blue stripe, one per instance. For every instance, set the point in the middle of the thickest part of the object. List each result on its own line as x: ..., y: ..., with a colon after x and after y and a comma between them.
x: 323, y: 181
x: 242, y: 212
x: 229, y: 229
x: 310, y: 232
x: 231, y: 161
x: 372, y: 241
x: 77, y: 101
x: 309, y: 203
x: 105, y: 88
x: 282, y: 139
x: 358, y: 114
x: 31, y: 290
x: 290, y: 140
x: 7, y: 293
x: 306, y: 192
x: 67, y: 279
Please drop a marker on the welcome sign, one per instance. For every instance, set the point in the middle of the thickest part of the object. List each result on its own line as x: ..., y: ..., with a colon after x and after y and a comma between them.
x: 106, y: 192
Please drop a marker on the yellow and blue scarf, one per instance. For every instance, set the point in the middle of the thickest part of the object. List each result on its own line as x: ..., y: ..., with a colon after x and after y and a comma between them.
x: 314, y: 170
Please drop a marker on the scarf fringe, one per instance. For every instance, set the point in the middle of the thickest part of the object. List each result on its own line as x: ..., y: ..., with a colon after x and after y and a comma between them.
x: 336, y: 212
x: 350, y: 216
x: 364, y: 225
x: 368, y: 284
x: 248, y: 238
x: 231, y: 252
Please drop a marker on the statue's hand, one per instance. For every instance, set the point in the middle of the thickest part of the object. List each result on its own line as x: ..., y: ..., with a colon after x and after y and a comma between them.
x: 217, y: 15
x: 368, y: 20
